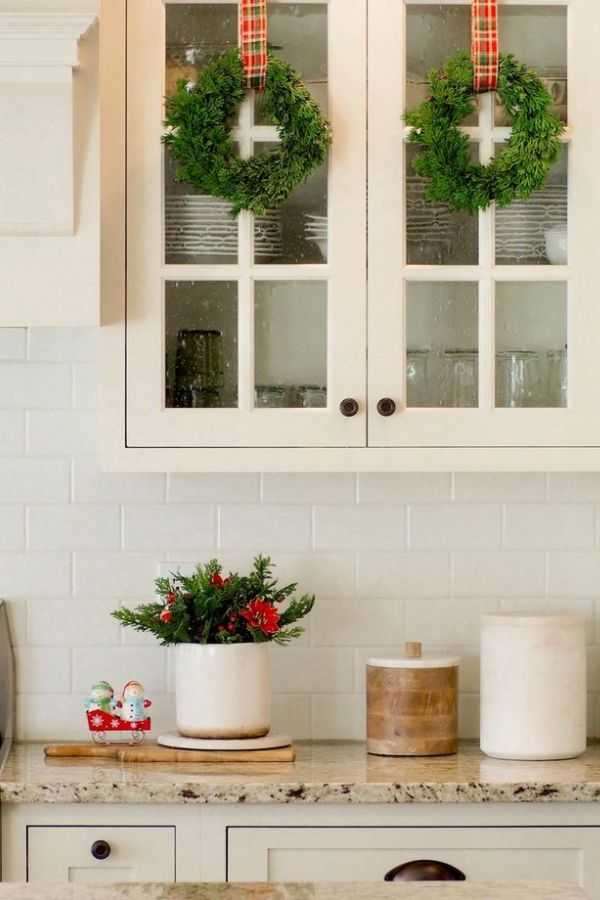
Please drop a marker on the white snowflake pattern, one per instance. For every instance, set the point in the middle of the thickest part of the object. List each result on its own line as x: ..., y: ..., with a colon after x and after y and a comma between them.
x: 97, y: 720
x: 115, y: 722
x: 133, y: 725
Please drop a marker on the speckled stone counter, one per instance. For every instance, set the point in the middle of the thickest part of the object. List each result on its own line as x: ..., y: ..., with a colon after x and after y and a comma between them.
x: 337, y: 773
x: 423, y: 891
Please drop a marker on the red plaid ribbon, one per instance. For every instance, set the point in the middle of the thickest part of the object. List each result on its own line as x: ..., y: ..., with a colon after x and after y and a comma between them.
x: 253, y: 41
x: 484, y: 45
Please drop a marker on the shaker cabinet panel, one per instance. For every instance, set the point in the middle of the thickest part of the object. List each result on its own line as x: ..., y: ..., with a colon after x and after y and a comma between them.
x: 90, y: 854
x: 368, y: 854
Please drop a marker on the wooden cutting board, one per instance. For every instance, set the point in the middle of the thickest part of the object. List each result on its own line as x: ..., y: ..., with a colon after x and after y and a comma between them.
x: 152, y: 753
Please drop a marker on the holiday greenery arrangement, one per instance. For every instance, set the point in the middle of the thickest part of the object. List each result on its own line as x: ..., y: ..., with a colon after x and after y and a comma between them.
x: 206, y: 608
x: 199, y: 118
x: 444, y: 157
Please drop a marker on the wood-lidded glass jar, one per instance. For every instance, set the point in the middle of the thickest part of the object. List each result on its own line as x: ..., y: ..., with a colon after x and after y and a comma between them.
x: 412, y: 704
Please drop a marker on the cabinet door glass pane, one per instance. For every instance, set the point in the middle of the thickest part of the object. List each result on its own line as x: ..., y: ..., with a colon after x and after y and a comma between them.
x: 195, y: 33
x: 296, y: 232
x: 442, y: 361
x: 534, y: 231
x: 199, y: 229
x: 531, y: 344
x: 433, y: 33
x: 290, y: 344
x: 201, y: 340
x: 298, y: 34
x: 537, y: 36
x: 434, y: 235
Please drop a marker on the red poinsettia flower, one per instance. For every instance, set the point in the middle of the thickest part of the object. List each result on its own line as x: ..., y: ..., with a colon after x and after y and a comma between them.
x: 166, y: 616
x: 261, y: 616
x: 217, y: 580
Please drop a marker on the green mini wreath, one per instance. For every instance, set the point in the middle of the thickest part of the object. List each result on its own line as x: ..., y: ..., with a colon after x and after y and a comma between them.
x: 522, y: 167
x: 200, y: 117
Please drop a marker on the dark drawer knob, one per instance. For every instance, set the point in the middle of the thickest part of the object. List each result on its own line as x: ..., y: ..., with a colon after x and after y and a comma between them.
x: 101, y: 850
x: 425, y: 870
x: 386, y: 407
x: 349, y: 407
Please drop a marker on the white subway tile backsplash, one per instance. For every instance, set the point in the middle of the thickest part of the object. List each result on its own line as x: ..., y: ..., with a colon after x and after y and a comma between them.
x: 391, y: 557
x: 91, y: 485
x: 43, y: 670
x: 63, y: 344
x: 403, y: 574
x: 404, y: 487
x: 118, y: 574
x: 499, y: 573
x: 360, y: 528
x: 40, y: 574
x: 119, y: 665
x: 205, y: 488
x: 168, y: 525
x: 62, y: 433
x: 12, y: 433
x: 549, y: 526
x: 35, y: 386
x: 13, y: 343
x: 318, y: 488
x: 74, y: 527
x: 455, y: 527
x: 265, y: 529
x: 34, y: 480
x: 499, y: 487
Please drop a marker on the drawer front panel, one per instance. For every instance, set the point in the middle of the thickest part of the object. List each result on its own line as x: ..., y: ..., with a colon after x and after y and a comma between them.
x: 367, y: 854
x: 91, y: 854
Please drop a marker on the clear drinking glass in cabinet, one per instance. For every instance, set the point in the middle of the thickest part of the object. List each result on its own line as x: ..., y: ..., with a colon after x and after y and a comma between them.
x: 434, y: 235
x: 442, y: 318
x: 297, y: 232
x: 433, y: 33
x: 290, y: 344
x: 201, y: 341
x: 195, y: 33
x: 531, y: 341
x: 534, y: 231
x: 537, y: 36
x: 298, y: 34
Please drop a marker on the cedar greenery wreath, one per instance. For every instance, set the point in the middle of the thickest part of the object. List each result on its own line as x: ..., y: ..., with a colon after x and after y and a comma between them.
x: 445, y: 160
x: 200, y: 116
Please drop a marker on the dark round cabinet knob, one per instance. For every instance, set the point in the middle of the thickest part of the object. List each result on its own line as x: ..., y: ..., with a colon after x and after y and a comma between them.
x: 425, y: 870
x: 349, y: 407
x: 101, y: 850
x: 386, y: 407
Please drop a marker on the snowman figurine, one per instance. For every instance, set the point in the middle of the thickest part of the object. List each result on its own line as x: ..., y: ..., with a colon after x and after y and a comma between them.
x: 133, y: 704
x: 101, y: 697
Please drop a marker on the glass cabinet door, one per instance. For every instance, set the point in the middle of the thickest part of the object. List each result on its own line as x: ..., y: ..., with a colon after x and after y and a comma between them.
x: 247, y: 331
x: 483, y: 329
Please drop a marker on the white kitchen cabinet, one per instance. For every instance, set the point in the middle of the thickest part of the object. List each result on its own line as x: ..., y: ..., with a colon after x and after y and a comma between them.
x: 368, y: 854
x: 93, y: 854
x: 233, y: 345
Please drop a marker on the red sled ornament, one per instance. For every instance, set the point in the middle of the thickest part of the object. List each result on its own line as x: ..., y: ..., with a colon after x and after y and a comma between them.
x: 126, y: 717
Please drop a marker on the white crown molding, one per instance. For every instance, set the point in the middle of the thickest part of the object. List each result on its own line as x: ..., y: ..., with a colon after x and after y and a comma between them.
x: 48, y: 39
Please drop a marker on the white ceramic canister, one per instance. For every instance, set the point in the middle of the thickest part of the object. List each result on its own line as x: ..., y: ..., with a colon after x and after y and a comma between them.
x: 533, y: 686
x: 223, y: 690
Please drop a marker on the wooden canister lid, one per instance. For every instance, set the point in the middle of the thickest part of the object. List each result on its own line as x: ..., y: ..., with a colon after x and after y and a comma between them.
x: 413, y: 659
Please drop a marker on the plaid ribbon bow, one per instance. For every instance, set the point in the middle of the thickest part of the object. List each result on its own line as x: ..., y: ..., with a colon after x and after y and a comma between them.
x: 484, y: 45
x: 253, y: 41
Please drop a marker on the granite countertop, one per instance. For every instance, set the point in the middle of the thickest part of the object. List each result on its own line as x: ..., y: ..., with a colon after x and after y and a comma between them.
x: 336, y: 772
x: 423, y: 891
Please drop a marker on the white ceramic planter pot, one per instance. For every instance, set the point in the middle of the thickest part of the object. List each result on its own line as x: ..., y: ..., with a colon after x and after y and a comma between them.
x: 223, y: 690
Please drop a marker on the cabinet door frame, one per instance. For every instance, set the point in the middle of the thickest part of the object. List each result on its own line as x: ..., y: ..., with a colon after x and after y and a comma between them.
x: 149, y: 422
x: 390, y: 273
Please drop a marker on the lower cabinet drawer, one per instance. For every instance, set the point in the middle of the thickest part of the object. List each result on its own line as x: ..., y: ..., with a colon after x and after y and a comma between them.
x: 368, y: 854
x: 82, y: 853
